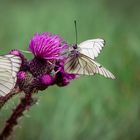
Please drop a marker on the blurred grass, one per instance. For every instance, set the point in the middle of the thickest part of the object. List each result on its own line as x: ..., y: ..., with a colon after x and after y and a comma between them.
x: 90, y: 107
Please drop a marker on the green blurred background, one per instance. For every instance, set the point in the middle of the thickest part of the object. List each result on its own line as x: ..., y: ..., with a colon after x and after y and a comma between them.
x: 90, y: 108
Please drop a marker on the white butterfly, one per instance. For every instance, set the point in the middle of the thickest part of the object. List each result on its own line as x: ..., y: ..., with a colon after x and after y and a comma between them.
x: 9, y: 66
x: 81, y: 59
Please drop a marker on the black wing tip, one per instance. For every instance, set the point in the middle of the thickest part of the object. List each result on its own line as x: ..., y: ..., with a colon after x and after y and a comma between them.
x: 104, y: 42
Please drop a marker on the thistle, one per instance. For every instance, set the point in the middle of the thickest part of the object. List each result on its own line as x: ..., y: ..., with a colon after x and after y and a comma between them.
x: 44, y: 70
x: 47, y: 66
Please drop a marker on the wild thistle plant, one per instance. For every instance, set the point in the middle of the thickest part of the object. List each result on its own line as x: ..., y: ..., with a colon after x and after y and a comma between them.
x: 45, y: 69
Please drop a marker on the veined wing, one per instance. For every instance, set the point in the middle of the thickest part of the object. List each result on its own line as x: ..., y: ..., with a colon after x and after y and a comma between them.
x: 84, y: 65
x: 9, y: 66
x: 92, y: 47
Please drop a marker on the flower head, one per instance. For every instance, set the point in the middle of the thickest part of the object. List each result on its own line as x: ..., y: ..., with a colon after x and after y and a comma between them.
x: 47, y: 80
x: 15, y: 52
x: 63, y: 78
x: 47, y: 46
x: 21, y: 75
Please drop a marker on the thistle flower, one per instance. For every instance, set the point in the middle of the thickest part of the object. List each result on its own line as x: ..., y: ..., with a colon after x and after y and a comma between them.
x: 47, y: 66
x: 15, y: 52
x: 48, y: 50
x: 47, y: 80
x: 63, y: 78
x: 47, y: 46
x: 21, y: 75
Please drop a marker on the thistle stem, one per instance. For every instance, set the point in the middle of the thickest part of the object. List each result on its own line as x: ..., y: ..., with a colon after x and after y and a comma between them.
x: 25, y: 103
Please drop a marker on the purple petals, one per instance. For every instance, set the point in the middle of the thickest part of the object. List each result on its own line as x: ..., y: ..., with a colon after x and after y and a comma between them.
x: 47, y: 46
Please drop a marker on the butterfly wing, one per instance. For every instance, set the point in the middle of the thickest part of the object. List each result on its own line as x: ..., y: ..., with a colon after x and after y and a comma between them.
x: 91, y: 47
x: 102, y: 70
x: 72, y: 65
x: 84, y: 65
x: 9, y: 66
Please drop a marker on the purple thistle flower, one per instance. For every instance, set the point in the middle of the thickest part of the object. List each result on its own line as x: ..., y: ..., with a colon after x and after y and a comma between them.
x: 21, y: 75
x: 15, y: 52
x: 63, y: 78
x: 47, y: 80
x: 47, y: 46
x: 47, y: 67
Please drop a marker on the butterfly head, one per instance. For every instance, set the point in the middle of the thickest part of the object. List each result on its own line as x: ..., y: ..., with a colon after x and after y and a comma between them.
x: 75, y: 50
x: 75, y: 46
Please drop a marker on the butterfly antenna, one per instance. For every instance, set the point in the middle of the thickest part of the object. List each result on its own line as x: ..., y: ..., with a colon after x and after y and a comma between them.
x: 75, y: 24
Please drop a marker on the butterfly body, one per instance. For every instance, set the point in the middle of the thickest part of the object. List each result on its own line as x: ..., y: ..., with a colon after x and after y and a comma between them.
x: 81, y: 59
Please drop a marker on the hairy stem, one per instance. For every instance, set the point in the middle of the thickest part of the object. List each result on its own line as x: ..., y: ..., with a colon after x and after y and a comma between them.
x: 25, y: 103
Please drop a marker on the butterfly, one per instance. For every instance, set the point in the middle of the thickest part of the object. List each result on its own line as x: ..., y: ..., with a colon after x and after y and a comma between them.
x: 9, y: 66
x: 81, y: 59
